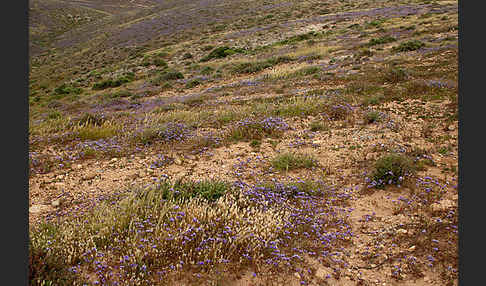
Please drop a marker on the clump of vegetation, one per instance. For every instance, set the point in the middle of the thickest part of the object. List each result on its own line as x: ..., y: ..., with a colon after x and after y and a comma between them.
x: 167, y: 132
x: 381, y: 40
x: 372, y: 116
x: 65, y: 89
x: 290, y: 161
x: 193, y: 83
x: 299, y: 38
x: 207, y: 70
x: 255, y: 143
x: 221, y: 52
x: 108, y: 83
x: 96, y: 119
x: 392, y: 169
x: 318, y: 125
x: 187, y: 56
x: 166, y: 75
x: 250, y: 129
x: 408, y: 46
x: 373, y: 100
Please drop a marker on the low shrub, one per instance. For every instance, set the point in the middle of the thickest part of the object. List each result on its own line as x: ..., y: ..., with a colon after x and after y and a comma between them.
x: 392, y: 169
x: 408, y: 46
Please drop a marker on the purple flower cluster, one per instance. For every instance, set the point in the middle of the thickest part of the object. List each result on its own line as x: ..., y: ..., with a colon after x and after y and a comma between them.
x: 161, y: 161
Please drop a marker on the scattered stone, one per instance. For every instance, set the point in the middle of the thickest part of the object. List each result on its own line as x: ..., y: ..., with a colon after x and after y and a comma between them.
x: 89, y: 176
x: 412, y: 248
x: 452, y: 127
x: 402, y: 231
x: 56, y: 203
x: 38, y: 208
x: 79, y: 166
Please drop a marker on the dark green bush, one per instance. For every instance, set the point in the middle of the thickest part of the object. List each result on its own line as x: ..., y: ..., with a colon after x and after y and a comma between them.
x: 392, y: 169
x: 409, y: 46
x: 221, y: 52
x: 381, y: 40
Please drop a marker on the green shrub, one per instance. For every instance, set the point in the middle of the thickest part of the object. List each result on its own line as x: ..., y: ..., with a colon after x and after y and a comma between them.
x: 114, y: 83
x: 193, y: 83
x: 221, y: 52
x: 65, y: 89
x: 187, y: 56
x: 409, y: 46
x: 207, y: 70
x: 392, y: 169
x: 290, y: 161
x: 381, y: 40
x: 372, y: 116
x: 166, y: 76
x: 255, y: 143
x: 317, y: 125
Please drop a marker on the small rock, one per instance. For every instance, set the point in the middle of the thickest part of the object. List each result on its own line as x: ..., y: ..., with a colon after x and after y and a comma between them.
x: 56, y: 203
x: 38, y: 208
x: 297, y: 275
x: 402, y: 231
x: 114, y: 160
x: 79, y: 166
x: 412, y: 248
x: 370, y: 156
x: 452, y: 127
x: 178, y: 161
x: 89, y: 176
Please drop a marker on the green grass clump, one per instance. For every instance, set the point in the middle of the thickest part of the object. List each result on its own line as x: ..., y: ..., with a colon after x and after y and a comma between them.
x: 221, y: 52
x: 392, y: 169
x: 318, y: 125
x: 381, y: 40
x: 372, y: 116
x: 193, y: 83
x: 185, y: 190
x: 290, y: 161
x: 409, y: 46
x: 65, y: 89
x: 165, y: 76
x: 114, y: 82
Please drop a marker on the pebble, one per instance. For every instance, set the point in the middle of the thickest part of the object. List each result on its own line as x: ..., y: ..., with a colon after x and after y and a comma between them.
x: 38, y: 208
x: 56, y: 203
x: 401, y: 230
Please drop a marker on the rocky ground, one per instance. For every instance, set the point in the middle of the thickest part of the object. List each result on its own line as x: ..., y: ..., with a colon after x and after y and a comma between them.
x: 357, y: 103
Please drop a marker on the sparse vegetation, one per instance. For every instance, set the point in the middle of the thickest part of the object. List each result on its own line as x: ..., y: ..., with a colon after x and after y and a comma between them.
x: 392, y: 169
x: 291, y: 161
x: 243, y: 142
